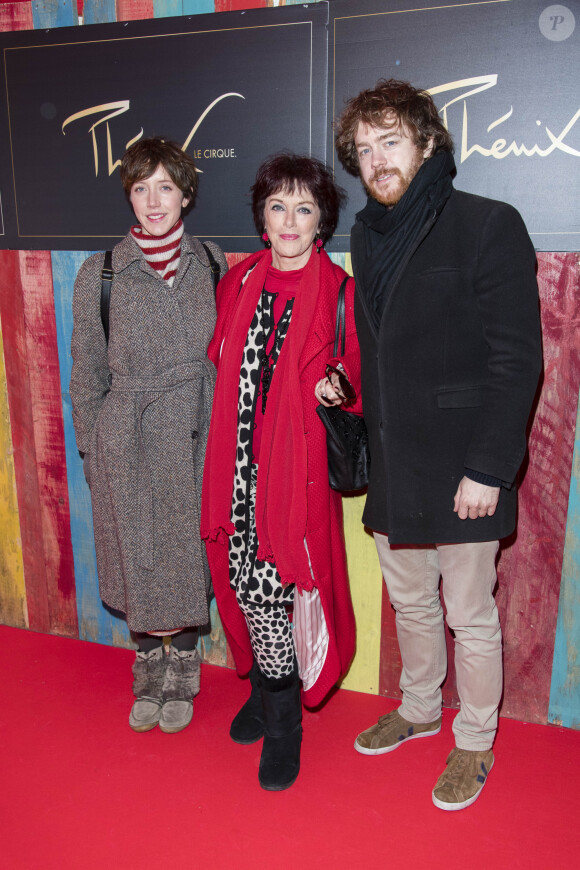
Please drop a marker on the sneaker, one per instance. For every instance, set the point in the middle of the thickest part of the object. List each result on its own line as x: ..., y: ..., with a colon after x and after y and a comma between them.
x: 461, y: 782
x: 391, y: 731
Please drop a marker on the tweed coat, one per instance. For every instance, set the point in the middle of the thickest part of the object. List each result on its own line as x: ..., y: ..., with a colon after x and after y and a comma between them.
x: 449, y: 377
x: 141, y: 410
x: 324, y: 531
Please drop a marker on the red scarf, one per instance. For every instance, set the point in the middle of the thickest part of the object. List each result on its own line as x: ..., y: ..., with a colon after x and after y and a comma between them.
x: 281, y: 504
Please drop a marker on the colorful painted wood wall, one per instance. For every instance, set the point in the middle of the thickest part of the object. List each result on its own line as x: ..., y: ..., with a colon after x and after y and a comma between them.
x: 48, y: 576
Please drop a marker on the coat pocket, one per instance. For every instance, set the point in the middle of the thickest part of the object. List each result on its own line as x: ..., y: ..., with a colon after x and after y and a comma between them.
x: 462, y: 397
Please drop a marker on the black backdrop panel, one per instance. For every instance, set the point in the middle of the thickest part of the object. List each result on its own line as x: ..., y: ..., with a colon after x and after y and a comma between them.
x: 234, y: 87
x: 508, y: 73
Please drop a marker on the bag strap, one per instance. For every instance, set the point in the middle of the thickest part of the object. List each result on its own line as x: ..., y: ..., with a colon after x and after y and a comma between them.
x: 107, y: 276
x: 214, y: 266
x: 339, y: 335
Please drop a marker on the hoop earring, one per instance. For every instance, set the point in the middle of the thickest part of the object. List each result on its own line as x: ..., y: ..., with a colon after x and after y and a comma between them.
x: 266, y: 240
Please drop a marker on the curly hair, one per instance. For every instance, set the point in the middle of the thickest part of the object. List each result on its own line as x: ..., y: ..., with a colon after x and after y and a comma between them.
x: 412, y: 108
x: 291, y: 172
x: 142, y: 159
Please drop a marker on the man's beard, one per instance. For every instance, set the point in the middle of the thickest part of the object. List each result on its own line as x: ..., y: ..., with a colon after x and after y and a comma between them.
x: 392, y: 196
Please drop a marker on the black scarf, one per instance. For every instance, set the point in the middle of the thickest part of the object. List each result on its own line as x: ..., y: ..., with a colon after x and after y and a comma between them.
x: 389, y: 232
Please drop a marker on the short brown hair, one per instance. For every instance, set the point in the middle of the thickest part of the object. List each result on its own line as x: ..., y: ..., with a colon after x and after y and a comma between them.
x: 413, y: 108
x: 292, y: 172
x: 142, y: 159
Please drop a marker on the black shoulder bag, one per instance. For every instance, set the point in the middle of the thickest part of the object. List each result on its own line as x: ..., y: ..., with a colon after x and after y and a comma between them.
x: 347, y: 441
x: 107, y: 276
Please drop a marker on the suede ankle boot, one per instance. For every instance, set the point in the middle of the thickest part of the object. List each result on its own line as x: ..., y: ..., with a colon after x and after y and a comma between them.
x: 248, y: 725
x: 282, y: 705
x: 149, y: 676
x: 180, y: 687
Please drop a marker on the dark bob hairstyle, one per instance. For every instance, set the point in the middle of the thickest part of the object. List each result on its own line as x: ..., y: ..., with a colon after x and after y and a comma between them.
x: 390, y: 99
x: 142, y: 159
x: 287, y: 173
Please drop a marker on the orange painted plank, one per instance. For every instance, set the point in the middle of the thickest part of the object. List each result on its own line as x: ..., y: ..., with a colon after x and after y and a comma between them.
x: 46, y: 404
x: 134, y: 10
x: 22, y: 427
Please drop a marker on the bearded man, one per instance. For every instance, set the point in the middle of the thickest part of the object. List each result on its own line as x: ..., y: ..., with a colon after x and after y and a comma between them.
x: 447, y: 317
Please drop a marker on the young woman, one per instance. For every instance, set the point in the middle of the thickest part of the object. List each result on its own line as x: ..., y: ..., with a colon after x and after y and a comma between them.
x: 141, y: 408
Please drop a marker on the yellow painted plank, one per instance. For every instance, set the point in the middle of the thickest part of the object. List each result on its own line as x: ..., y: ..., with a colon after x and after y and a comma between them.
x: 13, y: 609
x: 366, y: 589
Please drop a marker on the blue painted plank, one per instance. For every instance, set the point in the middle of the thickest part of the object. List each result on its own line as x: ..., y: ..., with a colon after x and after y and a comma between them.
x: 564, y: 708
x: 95, y: 622
x: 54, y: 13
x: 167, y: 8
x: 197, y: 7
x: 99, y: 11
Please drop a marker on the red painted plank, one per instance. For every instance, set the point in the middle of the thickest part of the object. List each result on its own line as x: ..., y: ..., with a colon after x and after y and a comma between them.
x: 390, y: 661
x: 530, y: 569
x: 233, y: 5
x: 233, y: 259
x: 134, y: 10
x: 16, y: 16
x: 22, y: 426
x: 44, y: 380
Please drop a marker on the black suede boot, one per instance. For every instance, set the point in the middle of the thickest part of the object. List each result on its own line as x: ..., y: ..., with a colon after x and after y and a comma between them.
x: 282, y: 705
x: 248, y: 725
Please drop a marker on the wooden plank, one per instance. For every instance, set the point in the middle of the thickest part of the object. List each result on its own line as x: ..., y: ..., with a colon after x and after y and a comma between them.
x: 564, y: 705
x: 366, y: 583
x: 54, y: 13
x: 134, y: 10
x: 198, y: 7
x: 564, y: 708
x: 530, y: 568
x: 22, y: 429
x: 13, y: 608
x: 44, y: 383
x: 366, y: 587
x: 167, y: 8
x: 212, y: 645
x: 234, y: 5
x: 16, y: 16
x: 95, y: 622
x: 99, y: 11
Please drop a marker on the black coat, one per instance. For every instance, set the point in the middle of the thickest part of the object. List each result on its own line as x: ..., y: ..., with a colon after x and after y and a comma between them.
x: 449, y: 378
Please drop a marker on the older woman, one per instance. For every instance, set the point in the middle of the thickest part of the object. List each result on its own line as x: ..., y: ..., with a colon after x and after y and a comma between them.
x: 273, y: 526
x: 141, y: 407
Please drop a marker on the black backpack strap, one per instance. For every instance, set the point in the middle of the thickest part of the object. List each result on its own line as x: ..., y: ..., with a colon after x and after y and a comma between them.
x: 214, y: 266
x: 339, y: 335
x: 107, y: 275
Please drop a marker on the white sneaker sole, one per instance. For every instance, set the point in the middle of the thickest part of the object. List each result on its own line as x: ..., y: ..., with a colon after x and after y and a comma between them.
x: 382, y: 750
x: 450, y: 808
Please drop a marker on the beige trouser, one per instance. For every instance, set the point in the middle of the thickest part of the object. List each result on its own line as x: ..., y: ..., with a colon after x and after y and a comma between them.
x: 468, y: 580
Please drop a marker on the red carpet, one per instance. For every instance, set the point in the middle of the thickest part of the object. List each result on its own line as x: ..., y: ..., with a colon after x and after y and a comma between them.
x: 81, y: 790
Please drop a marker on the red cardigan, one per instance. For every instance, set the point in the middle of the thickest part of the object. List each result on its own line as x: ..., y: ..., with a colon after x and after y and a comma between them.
x: 324, y: 532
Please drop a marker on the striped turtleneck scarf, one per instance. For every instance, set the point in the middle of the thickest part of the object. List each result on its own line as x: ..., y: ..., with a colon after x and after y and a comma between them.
x: 161, y: 252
